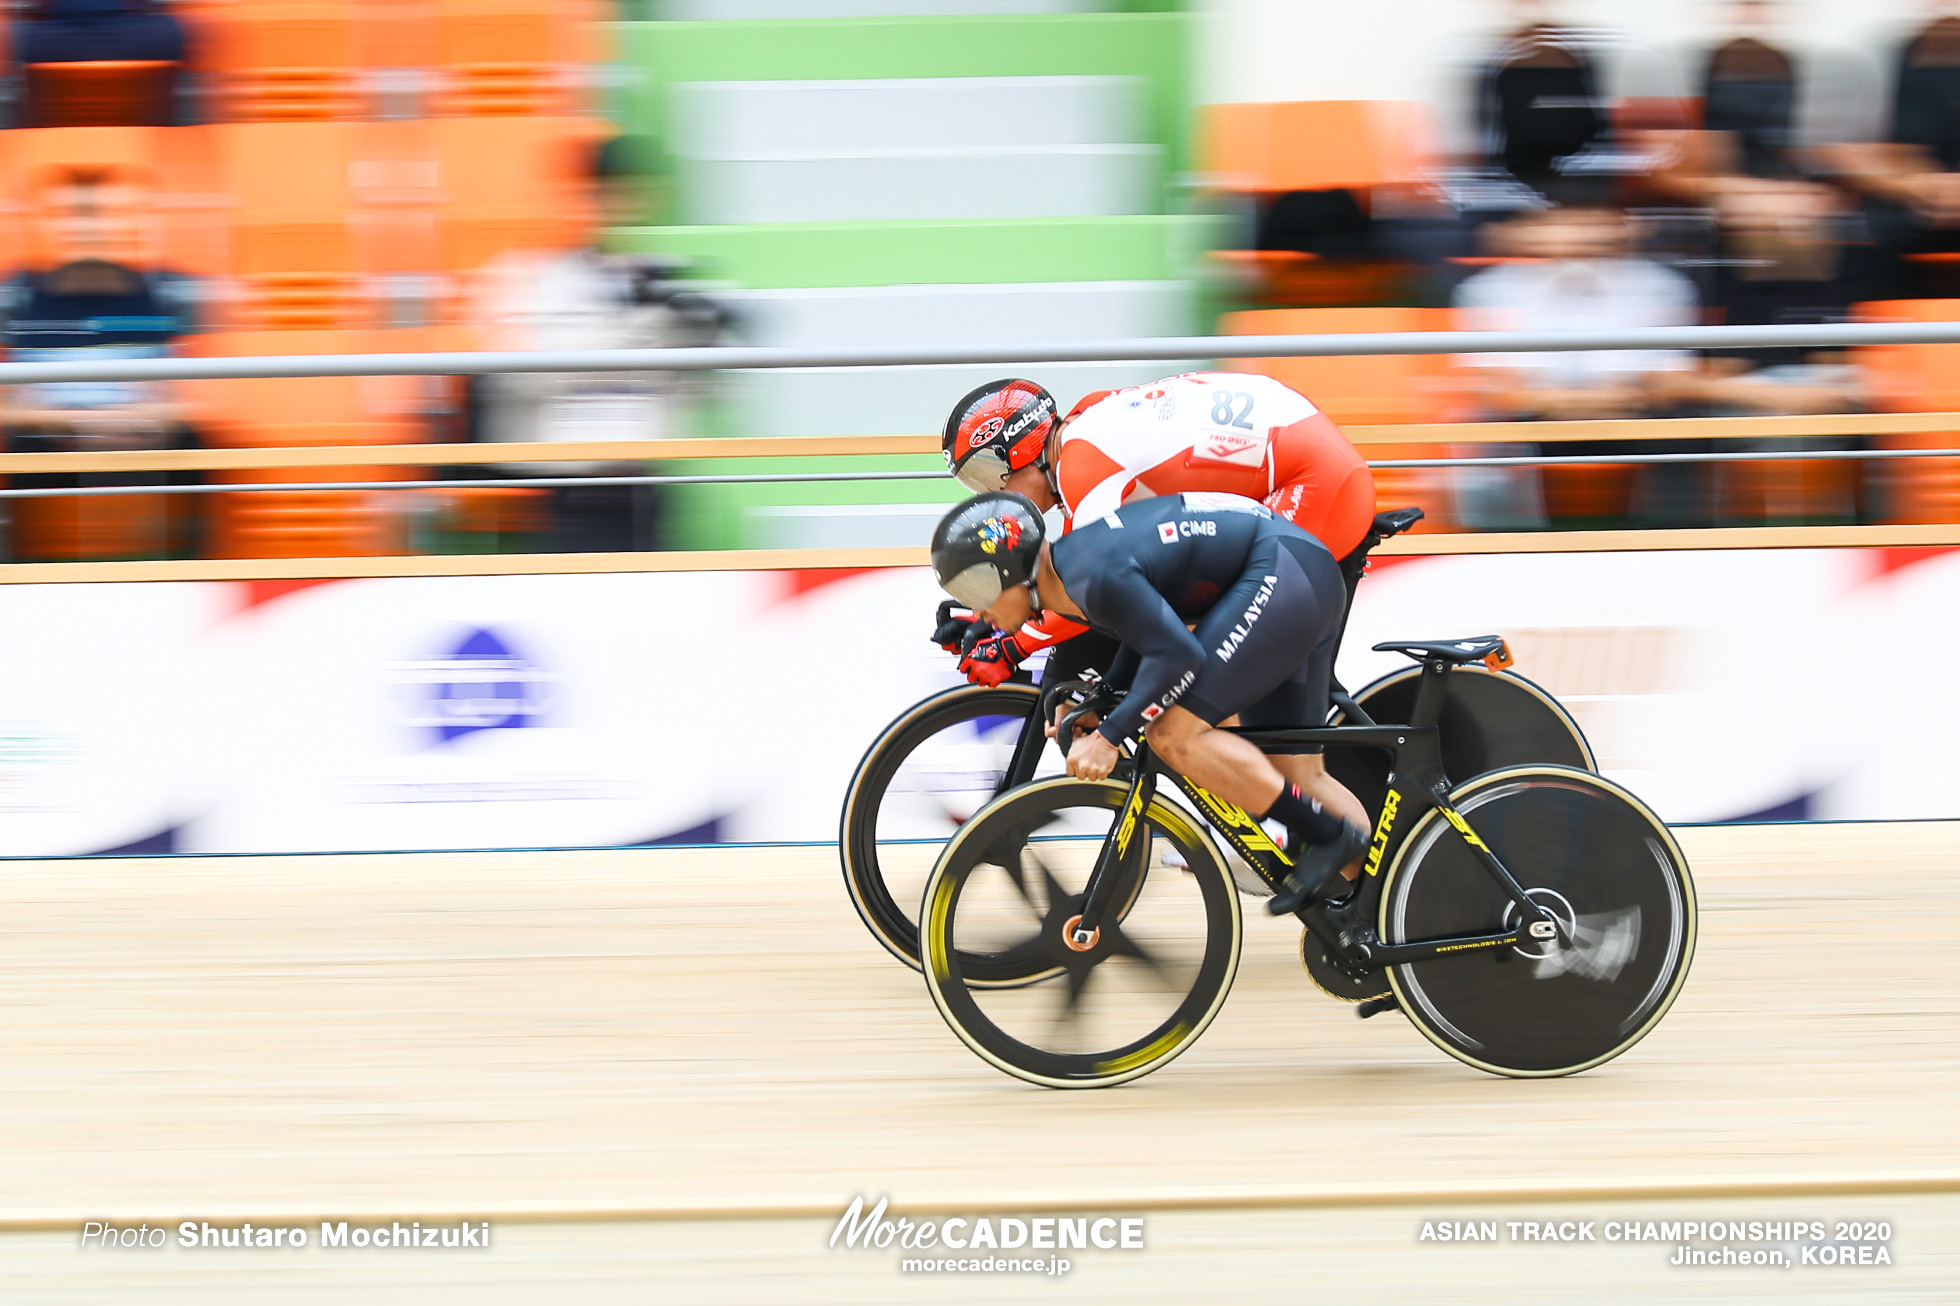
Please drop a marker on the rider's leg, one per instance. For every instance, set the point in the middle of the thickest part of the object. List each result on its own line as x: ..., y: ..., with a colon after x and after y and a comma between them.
x: 1217, y: 759
x: 1308, y: 772
x: 1239, y: 773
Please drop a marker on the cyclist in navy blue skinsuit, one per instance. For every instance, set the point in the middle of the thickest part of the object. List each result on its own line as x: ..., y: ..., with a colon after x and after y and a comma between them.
x: 1222, y: 609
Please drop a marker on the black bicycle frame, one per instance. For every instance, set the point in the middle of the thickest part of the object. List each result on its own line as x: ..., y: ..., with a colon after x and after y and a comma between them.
x: 1417, y: 783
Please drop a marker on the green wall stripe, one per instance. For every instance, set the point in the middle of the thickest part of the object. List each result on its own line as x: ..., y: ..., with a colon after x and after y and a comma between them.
x: 795, y: 255
x: 1155, y: 46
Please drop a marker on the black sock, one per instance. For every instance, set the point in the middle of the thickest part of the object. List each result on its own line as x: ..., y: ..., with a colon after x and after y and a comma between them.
x: 1304, y: 816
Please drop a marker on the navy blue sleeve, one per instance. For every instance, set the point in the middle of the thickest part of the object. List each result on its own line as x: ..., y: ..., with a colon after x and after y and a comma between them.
x: 1122, y: 668
x: 1168, y: 656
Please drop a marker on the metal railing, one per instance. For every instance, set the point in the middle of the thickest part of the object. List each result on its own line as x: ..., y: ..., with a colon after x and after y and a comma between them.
x: 736, y: 358
x: 1142, y: 350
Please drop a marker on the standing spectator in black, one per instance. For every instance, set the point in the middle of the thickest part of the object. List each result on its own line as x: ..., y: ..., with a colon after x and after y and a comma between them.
x: 1780, y: 233
x: 1911, y: 182
x: 96, y: 303
x: 1540, y: 103
x: 1749, y: 90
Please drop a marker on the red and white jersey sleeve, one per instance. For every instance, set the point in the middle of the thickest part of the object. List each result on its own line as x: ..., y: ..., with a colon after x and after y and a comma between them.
x: 1151, y: 439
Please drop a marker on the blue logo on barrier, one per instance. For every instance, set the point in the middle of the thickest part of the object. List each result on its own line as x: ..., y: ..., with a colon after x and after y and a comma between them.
x: 483, y: 684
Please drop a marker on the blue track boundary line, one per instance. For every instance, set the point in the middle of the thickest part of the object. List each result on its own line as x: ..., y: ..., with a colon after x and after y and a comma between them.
x: 784, y: 843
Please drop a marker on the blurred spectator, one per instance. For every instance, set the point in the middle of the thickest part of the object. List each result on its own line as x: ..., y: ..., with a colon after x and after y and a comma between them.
x: 1911, y: 181
x: 1540, y: 105
x: 93, y: 302
x: 1783, y: 264
x: 99, y: 32
x: 1572, y: 270
x: 1780, y: 236
x: 1749, y: 92
x: 589, y: 299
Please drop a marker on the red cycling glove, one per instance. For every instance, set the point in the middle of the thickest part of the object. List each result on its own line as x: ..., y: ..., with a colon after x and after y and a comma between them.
x: 992, y: 660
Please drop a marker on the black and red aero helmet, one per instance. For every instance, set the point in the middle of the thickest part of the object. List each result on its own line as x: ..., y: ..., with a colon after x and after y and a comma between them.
x: 999, y: 428
x: 986, y: 546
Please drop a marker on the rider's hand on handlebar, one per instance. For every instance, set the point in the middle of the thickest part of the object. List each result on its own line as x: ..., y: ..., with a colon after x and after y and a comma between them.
x: 958, y: 634
x: 1087, y: 722
x: 1092, y: 758
x: 991, y: 660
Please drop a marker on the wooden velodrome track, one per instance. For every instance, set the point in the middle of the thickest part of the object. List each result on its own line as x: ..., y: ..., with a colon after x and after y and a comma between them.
x: 661, y: 1075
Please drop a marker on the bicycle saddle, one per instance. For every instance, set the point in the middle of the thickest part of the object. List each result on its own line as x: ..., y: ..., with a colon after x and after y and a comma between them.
x: 1489, y: 649
x: 1388, y: 524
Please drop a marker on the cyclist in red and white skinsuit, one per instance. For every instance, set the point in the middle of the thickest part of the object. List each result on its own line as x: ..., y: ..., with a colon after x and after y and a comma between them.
x: 1225, y: 432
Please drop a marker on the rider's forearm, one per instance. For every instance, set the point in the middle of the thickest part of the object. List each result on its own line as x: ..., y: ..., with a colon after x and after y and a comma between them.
x: 1049, y: 628
x: 1123, y: 668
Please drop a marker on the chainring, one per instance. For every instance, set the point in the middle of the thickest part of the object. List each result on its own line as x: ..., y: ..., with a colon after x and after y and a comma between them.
x: 1334, y: 979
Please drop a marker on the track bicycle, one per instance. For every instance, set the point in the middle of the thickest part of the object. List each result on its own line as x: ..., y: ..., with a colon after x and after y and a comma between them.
x: 948, y: 754
x: 1533, y: 920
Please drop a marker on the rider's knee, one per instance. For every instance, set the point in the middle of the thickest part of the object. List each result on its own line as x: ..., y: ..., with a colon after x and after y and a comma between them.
x: 1172, y: 734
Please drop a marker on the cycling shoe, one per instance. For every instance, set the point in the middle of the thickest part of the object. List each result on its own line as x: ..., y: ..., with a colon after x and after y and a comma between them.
x: 1317, y: 865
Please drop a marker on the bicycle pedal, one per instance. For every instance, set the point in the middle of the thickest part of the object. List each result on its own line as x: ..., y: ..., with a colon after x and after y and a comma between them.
x: 1376, y: 1006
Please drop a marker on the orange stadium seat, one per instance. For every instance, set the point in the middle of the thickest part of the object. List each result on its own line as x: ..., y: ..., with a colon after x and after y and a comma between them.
x: 398, y: 244
x: 98, y: 93
x: 96, y: 528
x: 1377, y: 390
x: 1365, y: 147
x: 301, y: 412
x: 1916, y: 378
x: 1268, y: 148
x: 512, y: 57
x: 292, y: 248
x: 277, y: 60
x: 44, y: 149
x: 396, y: 44
x: 512, y: 183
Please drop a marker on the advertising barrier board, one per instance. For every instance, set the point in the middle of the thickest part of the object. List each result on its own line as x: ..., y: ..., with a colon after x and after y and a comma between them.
x: 634, y: 708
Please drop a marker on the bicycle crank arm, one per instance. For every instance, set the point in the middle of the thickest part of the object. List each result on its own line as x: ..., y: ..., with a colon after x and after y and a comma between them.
x: 1401, y: 954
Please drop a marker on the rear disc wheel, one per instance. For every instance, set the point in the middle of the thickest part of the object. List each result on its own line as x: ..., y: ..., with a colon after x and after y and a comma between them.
x: 1608, y: 873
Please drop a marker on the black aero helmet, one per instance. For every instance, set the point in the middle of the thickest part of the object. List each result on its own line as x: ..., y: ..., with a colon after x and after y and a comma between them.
x: 986, y: 546
x: 996, y: 429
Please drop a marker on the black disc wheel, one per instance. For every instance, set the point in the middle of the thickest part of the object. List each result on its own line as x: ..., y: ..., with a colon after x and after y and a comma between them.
x: 1606, y: 871
x: 1491, y: 719
x: 931, y: 769
x: 1009, y: 889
